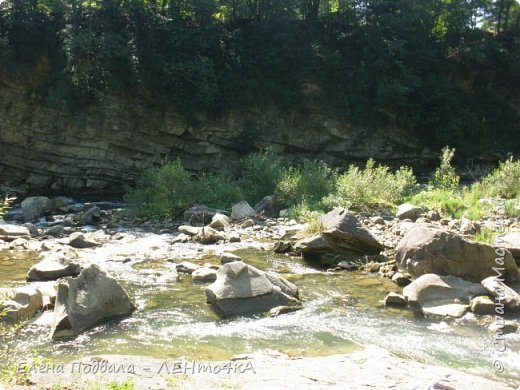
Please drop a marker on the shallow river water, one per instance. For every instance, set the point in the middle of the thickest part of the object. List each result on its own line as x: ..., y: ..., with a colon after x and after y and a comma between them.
x: 342, y: 313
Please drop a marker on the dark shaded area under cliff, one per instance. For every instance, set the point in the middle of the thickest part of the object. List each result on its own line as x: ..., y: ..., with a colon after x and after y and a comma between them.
x: 92, y: 94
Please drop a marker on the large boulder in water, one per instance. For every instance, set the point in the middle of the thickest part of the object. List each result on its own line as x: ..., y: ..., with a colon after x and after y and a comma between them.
x: 52, y: 269
x: 342, y: 233
x: 241, y: 289
x: 442, y: 295
x: 35, y: 207
x: 83, y: 302
x: 21, y: 303
x: 427, y: 248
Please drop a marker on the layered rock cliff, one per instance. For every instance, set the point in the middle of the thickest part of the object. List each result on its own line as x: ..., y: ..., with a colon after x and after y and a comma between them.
x: 99, y: 150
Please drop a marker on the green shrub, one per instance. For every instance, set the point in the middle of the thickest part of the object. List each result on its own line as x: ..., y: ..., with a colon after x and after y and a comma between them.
x: 4, y: 205
x: 261, y: 173
x: 513, y: 207
x: 464, y: 203
x: 442, y: 200
x: 445, y: 177
x: 486, y: 235
x: 304, y: 214
x: 372, y: 187
x: 162, y: 192
x: 217, y: 191
x: 504, y: 181
x: 307, y: 183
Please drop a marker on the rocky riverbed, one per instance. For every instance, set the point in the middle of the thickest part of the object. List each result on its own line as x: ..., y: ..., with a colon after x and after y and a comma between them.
x: 167, y: 266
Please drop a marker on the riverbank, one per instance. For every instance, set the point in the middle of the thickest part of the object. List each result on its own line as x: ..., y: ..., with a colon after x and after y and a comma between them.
x: 371, y: 368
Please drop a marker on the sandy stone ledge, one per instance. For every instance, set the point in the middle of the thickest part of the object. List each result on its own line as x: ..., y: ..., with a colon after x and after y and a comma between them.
x: 368, y: 369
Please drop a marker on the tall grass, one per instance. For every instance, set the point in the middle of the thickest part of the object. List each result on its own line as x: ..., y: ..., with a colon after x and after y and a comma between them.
x: 307, y: 183
x: 372, y: 187
x: 311, y: 186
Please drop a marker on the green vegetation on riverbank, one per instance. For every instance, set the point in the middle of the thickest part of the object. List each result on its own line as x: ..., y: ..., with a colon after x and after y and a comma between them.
x: 311, y: 187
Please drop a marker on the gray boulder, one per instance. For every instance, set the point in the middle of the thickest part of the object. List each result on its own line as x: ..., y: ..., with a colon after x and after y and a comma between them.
x: 241, y: 289
x: 342, y: 233
x: 427, y: 248
x: 83, y: 302
x: 394, y: 299
x: 511, y: 241
x: 482, y: 305
x: 279, y: 310
x: 55, y: 231
x: 35, y: 207
x: 204, y: 275
x: 442, y: 295
x: 402, y: 280
x: 503, y: 327
x: 32, y: 229
x: 189, y: 230
x: 220, y: 222
x: 207, y: 235
x: 408, y: 211
x: 22, y: 303
x: 78, y: 240
x: 228, y: 257
x: 52, y: 269
x: 268, y: 206
x: 283, y: 247
x: 507, y: 296
x: 91, y: 215
x: 60, y: 203
x: 10, y: 232
x: 242, y: 210
x: 186, y: 267
x: 287, y: 287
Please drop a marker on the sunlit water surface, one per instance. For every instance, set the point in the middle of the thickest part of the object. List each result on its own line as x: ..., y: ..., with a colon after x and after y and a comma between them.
x: 342, y: 313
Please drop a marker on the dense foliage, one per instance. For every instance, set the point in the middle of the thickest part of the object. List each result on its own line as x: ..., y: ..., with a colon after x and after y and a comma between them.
x: 446, y: 71
x: 311, y: 187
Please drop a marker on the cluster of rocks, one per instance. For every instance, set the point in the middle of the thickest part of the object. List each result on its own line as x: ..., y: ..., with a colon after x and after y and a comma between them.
x: 238, y: 288
x: 455, y: 275
x: 61, y: 219
x: 77, y: 303
x: 72, y: 298
x: 452, y: 273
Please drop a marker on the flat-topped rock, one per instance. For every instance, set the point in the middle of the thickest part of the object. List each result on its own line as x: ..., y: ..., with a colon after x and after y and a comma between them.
x: 442, y: 295
x: 428, y: 248
x: 9, y: 232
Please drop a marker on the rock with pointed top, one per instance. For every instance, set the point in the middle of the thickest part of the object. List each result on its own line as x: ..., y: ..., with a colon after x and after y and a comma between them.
x: 241, y: 289
x: 91, y: 298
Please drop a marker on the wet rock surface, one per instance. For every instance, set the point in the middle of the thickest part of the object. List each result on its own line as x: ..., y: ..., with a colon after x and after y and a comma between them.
x: 130, y: 246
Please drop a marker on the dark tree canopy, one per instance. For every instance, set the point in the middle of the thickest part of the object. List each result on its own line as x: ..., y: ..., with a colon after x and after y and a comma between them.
x: 445, y: 71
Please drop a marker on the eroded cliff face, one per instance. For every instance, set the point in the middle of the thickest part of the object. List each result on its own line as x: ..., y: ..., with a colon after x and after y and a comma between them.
x: 98, y: 151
